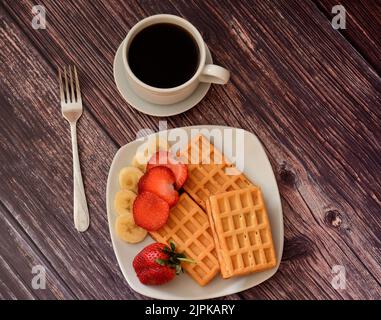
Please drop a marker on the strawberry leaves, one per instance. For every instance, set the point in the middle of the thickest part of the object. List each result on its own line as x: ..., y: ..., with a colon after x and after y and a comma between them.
x: 174, y: 258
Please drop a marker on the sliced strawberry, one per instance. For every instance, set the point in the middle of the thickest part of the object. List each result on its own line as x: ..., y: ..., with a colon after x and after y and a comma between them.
x: 160, y: 181
x: 150, y: 211
x: 167, y: 159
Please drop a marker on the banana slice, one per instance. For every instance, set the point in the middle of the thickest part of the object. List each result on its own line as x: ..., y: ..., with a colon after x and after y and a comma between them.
x: 139, y: 162
x: 127, y: 230
x: 129, y: 178
x: 147, y: 149
x: 124, y: 199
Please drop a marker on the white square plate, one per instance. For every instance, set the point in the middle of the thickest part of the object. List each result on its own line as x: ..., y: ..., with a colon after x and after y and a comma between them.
x: 257, y: 169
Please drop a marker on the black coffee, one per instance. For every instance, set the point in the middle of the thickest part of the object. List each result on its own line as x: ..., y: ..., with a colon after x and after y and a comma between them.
x: 163, y: 55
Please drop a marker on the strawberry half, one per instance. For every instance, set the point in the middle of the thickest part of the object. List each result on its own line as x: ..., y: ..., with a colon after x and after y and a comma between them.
x: 150, y: 211
x: 160, y: 181
x: 167, y: 159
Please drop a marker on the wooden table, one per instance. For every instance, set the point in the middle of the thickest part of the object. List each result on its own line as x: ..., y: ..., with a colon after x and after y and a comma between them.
x: 309, y: 92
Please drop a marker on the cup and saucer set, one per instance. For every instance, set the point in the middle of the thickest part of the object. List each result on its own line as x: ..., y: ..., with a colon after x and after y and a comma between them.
x: 163, y: 101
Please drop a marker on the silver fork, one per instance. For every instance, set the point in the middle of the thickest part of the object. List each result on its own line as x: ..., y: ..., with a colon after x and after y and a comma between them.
x: 71, y: 107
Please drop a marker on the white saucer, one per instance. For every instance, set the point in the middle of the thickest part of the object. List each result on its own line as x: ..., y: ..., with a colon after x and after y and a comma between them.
x: 150, y: 108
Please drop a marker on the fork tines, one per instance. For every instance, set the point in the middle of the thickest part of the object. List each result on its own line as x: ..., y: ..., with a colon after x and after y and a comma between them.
x: 69, y: 85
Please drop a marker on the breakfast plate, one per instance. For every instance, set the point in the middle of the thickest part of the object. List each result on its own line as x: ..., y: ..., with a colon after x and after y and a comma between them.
x: 257, y: 169
x: 152, y: 109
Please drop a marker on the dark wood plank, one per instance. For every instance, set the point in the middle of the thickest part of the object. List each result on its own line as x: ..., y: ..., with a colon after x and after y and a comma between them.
x: 291, y: 87
x: 363, y: 20
x: 36, y: 187
x: 18, y: 257
x: 302, y: 88
x: 11, y: 287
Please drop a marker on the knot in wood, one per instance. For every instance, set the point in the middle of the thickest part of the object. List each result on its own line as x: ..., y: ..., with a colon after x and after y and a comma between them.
x: 333, y: 218
x: 286, y: 175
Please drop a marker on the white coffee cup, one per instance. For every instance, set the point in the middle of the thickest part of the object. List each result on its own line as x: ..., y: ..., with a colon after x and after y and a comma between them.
x: 205, y: 72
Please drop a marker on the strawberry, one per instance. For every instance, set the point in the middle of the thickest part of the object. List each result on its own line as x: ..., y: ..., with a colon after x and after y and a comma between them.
x: 167, y: 159
x: 160, y: 181
x: 150, y: 211
x: 158, y: 263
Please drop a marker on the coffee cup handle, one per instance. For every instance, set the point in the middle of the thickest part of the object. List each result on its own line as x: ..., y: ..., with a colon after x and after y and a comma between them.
x: 214, y: 74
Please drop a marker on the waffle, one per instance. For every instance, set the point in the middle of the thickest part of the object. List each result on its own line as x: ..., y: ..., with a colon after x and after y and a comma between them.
x: 241, y: 232
x: 188, y: 227
x: 206, y: 171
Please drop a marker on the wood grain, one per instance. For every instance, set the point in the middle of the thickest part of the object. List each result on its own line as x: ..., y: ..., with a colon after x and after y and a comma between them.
x: 363, y: 25
x: 301, y: 87
x: 316, y: 131
x: 19, y: 255
x: 36, y: 187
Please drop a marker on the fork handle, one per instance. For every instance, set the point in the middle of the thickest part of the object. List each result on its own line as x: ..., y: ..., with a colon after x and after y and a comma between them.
x: 81, y: 212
